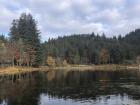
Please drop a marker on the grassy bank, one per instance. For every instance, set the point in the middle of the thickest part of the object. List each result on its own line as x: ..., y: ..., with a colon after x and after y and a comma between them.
x: 16, y: 70
x: 113, y: 67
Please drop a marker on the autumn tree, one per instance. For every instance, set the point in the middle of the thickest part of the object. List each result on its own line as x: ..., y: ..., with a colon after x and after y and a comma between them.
x: 104, y: 56
x: 50, y: 61
x: 65, y: 63
x: 138, y: 59
x: 3, y: 51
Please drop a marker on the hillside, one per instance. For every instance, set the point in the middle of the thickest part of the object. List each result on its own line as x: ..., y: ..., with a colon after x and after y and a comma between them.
x: 94, y: 49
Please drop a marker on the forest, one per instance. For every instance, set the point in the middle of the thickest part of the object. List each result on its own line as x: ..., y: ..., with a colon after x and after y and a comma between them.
x: 23, y: 47
x: 95, y: 49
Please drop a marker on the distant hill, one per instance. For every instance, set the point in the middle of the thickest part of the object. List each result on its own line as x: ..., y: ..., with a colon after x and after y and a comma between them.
x: 133, y: 37
x: 95, y: 49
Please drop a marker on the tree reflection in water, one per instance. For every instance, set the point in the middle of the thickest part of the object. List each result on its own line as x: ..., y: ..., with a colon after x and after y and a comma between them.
x: 71, y: 87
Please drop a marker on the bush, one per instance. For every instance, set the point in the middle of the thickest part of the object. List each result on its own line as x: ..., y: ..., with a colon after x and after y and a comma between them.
x: 65, y: 63
x: 50, y: 61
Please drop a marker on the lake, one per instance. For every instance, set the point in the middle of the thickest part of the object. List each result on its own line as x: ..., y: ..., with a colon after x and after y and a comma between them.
x: 62, y: 87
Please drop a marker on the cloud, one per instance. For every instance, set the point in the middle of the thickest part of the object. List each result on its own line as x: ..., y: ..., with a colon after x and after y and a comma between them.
x: 61, y: 17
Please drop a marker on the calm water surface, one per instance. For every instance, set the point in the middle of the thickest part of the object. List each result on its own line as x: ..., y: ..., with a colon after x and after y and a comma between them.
x: 71, y: 88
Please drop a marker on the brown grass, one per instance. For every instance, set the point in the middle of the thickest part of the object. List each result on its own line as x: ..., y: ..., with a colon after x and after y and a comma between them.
x: 16, y: 70
x: 111, y: 67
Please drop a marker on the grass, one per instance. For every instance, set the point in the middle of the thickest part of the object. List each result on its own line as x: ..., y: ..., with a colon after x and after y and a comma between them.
x: 109, y: 67
x: 16, y: 70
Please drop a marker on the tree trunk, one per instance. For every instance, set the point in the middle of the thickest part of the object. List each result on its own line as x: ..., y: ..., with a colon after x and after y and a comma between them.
x: 13, y: 61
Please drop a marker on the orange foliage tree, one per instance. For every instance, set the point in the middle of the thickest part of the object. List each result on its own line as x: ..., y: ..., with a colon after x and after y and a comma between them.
x: 104, y: 56
x: 50, y: 61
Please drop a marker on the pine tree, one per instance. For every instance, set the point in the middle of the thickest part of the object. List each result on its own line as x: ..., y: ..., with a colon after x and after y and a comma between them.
x: 25, y: 28
x: 14, y: 35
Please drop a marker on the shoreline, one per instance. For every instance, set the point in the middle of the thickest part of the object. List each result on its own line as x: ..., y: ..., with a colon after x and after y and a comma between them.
x: 111, y: 67
x: 16, y: 70
x: 108, y: 67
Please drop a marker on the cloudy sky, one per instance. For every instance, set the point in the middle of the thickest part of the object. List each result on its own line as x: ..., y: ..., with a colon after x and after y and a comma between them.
x: 64, y: 17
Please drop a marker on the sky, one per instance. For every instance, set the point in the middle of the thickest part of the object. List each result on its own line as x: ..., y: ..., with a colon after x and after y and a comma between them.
x: 65, y: 17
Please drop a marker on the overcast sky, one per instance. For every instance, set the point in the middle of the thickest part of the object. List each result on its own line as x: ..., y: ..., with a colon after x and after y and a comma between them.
x: 63, y: 17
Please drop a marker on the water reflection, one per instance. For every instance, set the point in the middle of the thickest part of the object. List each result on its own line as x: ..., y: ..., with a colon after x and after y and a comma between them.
x: 70, y: 88
x: 102, y: 100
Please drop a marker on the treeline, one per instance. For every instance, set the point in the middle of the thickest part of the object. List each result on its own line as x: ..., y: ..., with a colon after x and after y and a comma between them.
x: 95, y: 49
x: 23, y: 47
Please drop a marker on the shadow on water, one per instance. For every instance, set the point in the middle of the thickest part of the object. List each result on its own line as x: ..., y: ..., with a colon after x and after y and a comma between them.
x: 71, y: 87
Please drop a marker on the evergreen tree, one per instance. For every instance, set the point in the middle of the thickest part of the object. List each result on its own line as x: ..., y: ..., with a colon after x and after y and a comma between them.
x: 25, y: 28
x: 14, y: 35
